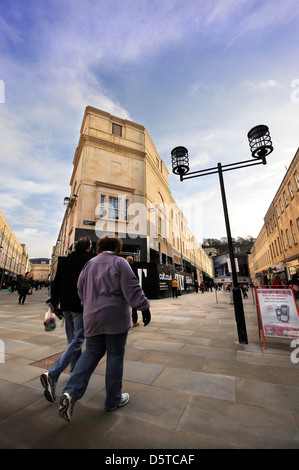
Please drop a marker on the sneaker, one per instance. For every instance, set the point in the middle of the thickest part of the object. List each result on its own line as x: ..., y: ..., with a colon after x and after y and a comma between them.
x: 66, y: 407
x: 136, y: 324
x: 125, y: 398
x: 49, y: 384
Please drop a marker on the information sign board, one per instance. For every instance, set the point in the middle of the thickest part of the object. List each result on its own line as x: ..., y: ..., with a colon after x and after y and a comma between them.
x: 277, y: 312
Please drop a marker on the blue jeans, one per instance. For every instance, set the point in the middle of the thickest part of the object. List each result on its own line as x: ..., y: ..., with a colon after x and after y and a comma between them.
x: 96, y: 346
x: 75, y: 337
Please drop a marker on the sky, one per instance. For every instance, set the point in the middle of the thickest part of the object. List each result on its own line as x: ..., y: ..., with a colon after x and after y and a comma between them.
x: 194, y: 73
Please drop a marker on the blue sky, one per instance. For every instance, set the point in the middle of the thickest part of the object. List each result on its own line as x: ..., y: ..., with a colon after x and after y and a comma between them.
x: 194, y: 73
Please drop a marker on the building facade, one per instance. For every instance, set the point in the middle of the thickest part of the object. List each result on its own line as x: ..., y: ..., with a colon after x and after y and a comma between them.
x: 119, y: 184
x: 276, y: 250
x: 40, y: 269
x: 14, y: 259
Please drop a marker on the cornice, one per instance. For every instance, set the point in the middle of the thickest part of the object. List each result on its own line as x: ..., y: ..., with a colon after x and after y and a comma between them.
x: 115, y: 186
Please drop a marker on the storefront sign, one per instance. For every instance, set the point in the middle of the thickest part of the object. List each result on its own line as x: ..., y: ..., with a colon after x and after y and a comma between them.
x: 277, y: 311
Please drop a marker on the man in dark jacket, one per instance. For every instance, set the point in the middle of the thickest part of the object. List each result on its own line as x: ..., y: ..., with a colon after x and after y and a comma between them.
x: 64, y: 292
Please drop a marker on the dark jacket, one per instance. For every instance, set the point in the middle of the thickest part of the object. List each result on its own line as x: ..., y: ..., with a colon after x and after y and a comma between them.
x: 25, y: 283
x: 64, y: 287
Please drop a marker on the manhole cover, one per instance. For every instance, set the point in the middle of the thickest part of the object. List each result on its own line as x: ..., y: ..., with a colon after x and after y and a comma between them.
x: 48, y: 362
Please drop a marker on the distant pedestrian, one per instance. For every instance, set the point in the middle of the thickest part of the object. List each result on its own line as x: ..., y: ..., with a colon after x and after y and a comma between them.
x: 175, y: 288
x: 244, y: 291
x: 135, y: 320
x: 25, y: 285
x: 196, y: 286
x: 13, y: 285
x: 202, y: 287
x: 107, y: 288
x: 295, y: 283
x: 64, y: 293
x: 278, y: 281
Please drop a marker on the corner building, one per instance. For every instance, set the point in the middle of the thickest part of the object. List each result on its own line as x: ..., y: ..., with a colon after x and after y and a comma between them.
x: 119, y: 184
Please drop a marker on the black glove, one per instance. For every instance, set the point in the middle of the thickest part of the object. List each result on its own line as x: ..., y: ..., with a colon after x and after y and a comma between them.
x: 51, y: 303
x: 146, y: 316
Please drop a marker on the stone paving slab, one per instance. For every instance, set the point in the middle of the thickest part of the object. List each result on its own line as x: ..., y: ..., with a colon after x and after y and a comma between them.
x: 191, y: 384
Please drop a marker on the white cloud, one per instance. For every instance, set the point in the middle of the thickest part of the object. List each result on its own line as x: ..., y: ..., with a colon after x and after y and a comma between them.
x: 262, y: 85
x: 74, y: 56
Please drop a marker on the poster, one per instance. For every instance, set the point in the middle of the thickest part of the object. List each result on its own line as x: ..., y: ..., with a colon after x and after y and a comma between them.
x: 278, y: 312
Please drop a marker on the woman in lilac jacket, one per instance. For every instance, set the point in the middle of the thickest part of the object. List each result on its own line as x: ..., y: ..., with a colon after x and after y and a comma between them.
x: 107, y: 288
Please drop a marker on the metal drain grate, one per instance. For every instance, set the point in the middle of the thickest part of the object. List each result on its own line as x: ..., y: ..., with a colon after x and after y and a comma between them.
x: 49, y: 362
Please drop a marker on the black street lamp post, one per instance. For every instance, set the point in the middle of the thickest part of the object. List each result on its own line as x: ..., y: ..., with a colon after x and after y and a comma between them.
x: 260, y: 146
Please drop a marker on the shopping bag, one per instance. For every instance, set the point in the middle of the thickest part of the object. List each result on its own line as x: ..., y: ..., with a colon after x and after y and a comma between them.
x: 49, y: 321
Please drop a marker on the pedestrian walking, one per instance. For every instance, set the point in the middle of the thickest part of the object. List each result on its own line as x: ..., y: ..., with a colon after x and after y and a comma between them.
x: 278, y: 281
x: 107, y: 288
x: 64, y: 293
x: 135, y: 320
x: 25, y: 285
x: 295, y: 283
x: 175, y: 288
x: 244, y: 291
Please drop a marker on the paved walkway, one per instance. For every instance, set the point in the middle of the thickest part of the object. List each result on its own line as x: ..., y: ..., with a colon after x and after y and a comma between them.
x: 192, y: 385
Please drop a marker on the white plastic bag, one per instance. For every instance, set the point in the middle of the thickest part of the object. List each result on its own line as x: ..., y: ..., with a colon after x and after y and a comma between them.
x: 49, y: 321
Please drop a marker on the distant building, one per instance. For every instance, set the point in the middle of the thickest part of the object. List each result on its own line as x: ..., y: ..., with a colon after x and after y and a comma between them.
x: 119, y: 184
x: 14, y: 260
x: 40, y: 269
x: 276, y: 249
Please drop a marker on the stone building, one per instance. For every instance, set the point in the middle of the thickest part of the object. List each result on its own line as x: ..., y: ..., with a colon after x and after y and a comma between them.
x: 119, y: 184
x: 40, y: 269
x: 276, y: 250
x: 14, y: 259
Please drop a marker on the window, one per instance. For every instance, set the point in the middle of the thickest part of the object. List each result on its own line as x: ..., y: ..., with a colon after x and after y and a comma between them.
x: 291, y: 190
x: 126, y: 210
x: 285, y: 199
x: 116, y: 129
x: 293, y: 232
x: 113, y: 210
x: 102, y: 206
x: 288, y: 238
x: 281, y: 206
x: 284, y: 241
x: 159, y: 225
x: 277, y: 211
x: 296, y: 176
x: 278, y: 241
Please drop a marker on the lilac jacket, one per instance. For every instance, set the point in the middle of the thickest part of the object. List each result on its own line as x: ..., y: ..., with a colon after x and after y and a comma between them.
x: 107, y: 287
